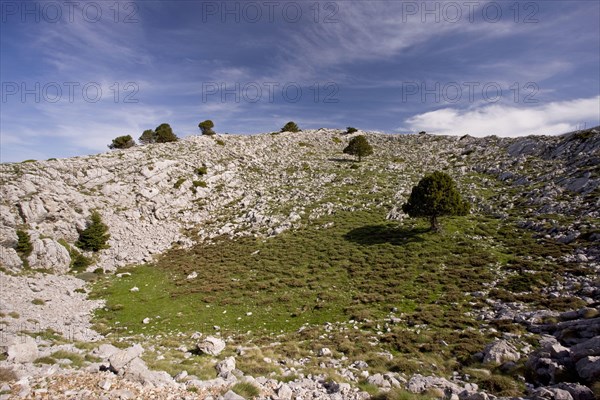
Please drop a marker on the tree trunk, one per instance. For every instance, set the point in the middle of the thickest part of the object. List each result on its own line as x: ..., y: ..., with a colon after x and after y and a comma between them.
x: 359, y: 158
x: 435, y: 226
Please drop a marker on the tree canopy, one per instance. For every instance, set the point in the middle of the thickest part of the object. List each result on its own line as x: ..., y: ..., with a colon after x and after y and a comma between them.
x: 164, y: 134
x: 435, y: 196
x: 24, y: 246
x: 122, y: 142
x: 206, y: 127
x: 290, y: 127
x: 359, y: 146
x: 95, y: 236
x: 148, y: 136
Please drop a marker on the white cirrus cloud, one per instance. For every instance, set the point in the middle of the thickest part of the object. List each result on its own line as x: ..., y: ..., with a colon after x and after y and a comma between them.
x: 507, y: 121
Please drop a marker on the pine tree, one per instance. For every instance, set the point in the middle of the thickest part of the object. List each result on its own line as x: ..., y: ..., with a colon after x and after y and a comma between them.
x: 164, y: 134
x: 359, y: 146
x: 434, y: 196
x: 95, y: 236
x: 148, y: 137
x: 290, y: 127
x: 24, y: 246
x: 206, y: 127
x: 122, y: 142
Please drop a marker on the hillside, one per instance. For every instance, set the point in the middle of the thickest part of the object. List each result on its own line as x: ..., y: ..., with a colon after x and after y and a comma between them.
x: 300, y: 259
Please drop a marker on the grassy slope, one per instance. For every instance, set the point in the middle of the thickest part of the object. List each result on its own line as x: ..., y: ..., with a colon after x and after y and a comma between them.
x: 351, y: 269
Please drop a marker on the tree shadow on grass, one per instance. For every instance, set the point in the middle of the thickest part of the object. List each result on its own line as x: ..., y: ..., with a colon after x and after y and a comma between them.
x: 378, y: 234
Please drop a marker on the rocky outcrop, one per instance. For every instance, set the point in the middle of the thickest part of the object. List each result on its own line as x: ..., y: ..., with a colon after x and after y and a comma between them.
x: 127, y: 363
x: 19, y: 349
x: 49, y: 254
x: 40, y: 303
x: 571, y: 353
x: 500, y: 351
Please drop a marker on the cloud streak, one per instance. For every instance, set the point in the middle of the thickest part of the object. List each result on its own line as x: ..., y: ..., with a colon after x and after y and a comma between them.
x: 506, y: 120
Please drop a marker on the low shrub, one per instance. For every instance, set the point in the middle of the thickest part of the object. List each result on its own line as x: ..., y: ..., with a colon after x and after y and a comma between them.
x: 179, y: 182
x: 246, y: 390
x: 201, y: 170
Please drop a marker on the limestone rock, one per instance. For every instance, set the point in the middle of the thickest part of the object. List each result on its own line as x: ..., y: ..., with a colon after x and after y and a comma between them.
x: 284, y: 392
x: 231, y: 395
x: 225, y: 367
x: 211, y: 345
x: 577, y: 391
x: 120, y: 359
x: 48, y: 253
x: 137, y: 371
x: 20, y: 349
x: 588, y: 368
x: 550, y: 393
x: 419, y: 384
x: 590, y: 347
x: 10, y: 259
x: 500, y: 351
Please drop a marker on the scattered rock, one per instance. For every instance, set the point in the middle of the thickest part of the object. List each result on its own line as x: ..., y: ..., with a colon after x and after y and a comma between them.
x: 500, y: 351
x: 211, y: 345
x: 20, y: 349
x: 120, y: 359
x: 325, y: 352
x: 226, y: 367
x: 231, y: 395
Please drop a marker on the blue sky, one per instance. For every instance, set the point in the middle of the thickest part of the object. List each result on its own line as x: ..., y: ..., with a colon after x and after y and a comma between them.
x: 75, y: 75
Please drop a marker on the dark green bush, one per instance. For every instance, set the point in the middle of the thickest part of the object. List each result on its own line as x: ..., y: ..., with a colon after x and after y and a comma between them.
x: 290, y: 127
x: 201, y: 170
x: 164, y: 134
x: 24, y: 246
x: 80, y: 262
x: 122, y: 142
x: 148, y: 136
x: 206, y: 127
x: 179, y: 182
x: 95, y: 236
x: 351, y: 129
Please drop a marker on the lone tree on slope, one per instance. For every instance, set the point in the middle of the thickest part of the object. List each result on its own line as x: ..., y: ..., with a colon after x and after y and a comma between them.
x: 95, y: 236
x: 206, y: 127
x: 359, y: 146
x: 435, y: 196
x: 122, y: 142
x: 290, y: 127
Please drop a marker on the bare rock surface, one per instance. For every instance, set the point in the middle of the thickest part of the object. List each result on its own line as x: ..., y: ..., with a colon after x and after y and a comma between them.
x: 42, y: 302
